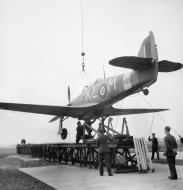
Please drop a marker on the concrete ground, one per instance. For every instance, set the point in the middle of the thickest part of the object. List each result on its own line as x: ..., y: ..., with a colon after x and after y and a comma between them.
x: 68, y: 177
x: 179, y: 155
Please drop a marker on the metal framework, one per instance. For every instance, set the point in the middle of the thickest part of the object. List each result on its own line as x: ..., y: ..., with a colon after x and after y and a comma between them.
x: 123, y: 157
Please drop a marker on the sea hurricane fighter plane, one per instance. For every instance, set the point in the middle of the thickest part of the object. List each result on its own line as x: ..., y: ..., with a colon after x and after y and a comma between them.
x: 97, y: 99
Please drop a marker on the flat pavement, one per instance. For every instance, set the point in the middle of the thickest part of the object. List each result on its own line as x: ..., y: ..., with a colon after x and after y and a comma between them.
x: 68, y: 177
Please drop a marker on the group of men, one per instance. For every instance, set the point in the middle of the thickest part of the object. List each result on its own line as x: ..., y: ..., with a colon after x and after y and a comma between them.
x: 103, y: 141
x: 80, y: 131
x: 170, y: 150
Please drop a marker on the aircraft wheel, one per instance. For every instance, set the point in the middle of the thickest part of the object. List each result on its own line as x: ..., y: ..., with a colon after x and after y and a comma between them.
x: 64, y: 133
x: 145, y: 91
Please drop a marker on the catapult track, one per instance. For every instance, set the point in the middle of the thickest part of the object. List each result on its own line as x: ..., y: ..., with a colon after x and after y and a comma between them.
x: 84, y: 154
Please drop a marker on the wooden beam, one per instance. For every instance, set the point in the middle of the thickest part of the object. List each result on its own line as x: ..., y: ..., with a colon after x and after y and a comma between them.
x: 114, y: 131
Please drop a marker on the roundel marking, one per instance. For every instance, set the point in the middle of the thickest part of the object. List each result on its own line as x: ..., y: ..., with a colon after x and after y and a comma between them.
x: 102, y: 90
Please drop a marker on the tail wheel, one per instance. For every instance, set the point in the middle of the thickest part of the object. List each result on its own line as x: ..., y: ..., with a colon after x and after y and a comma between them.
x: 145, y: 91
x: 64, y: 133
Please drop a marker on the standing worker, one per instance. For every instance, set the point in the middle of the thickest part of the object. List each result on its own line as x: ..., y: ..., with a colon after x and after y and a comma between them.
x: 154, y: 146
x: 79, y: 130
x: 170, y: 152
x: 103, y: 151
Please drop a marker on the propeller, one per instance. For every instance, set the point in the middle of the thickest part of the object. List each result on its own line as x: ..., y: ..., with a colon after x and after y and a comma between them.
x: 69, y: 95
x: 69, y: 99
x: 104, y: 71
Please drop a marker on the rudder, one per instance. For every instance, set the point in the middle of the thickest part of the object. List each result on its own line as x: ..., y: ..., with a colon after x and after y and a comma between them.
x: 148, y: 48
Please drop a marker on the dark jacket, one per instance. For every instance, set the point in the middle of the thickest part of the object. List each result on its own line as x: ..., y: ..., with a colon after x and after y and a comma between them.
x: 103, y: 143
x: 181, y: 140
x: 79, y: 130
x: 154, y: 142
x: 170, y: 145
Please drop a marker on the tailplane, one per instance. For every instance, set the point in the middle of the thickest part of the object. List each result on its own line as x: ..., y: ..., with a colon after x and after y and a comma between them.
x: 146, y: 57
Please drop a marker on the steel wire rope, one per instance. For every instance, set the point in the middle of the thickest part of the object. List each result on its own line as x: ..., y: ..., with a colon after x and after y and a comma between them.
x: 82, y: 47
x: 152, y: 124
x: 82, y: 42
x: 121, y: 105
x: 160, y: 116
x: 82, y: 27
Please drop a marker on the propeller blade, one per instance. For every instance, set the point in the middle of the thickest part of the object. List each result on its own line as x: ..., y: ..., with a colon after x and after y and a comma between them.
x: 69, y: 94
x: 104, y: 71
x: 54, y: 119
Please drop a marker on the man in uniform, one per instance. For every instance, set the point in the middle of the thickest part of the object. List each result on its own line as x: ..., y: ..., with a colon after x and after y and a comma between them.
x: 103, y: 151
x: 79, y: 134
x: 154, y: 146
x: 170, y: 152
x: 87, y: 126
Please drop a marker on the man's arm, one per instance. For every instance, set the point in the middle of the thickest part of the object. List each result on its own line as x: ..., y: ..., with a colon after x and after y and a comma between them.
x: 165, y: 142
x: 156, y: 141
x: 181, y: 139
x: 175, y: 144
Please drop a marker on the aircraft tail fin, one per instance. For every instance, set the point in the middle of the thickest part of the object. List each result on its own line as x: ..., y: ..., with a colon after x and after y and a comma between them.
x: 148, y: 48
x: 147, y: 57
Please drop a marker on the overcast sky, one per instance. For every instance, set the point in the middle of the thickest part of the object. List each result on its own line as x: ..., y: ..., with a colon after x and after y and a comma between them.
x: 40, y: 47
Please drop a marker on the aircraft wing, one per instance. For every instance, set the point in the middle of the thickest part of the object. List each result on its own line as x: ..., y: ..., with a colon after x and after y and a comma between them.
x: 140, y: 63
x: 131, y: 62
x: 114, y: 111
x: 71, y: 111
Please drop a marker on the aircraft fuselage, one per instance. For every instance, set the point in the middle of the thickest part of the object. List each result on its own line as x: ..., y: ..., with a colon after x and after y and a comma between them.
x: 110, y: 90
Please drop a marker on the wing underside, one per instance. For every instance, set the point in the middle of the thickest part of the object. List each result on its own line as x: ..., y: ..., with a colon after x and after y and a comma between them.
x: 75, y: 112
x: 114, y: 111
x: 140, y: 63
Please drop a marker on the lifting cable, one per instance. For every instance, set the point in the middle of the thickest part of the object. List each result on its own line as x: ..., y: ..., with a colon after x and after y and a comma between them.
x: 152, y: 124
x: 82, y: 49
x: 82, y: 40
x: 160, y: 116
x: 121, y: 105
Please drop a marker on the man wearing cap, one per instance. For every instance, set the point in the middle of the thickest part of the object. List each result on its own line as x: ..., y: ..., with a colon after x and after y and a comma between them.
x: 103, y: 151
x: 79, y: 134
x: 154, y: 146
x: 170, y: 152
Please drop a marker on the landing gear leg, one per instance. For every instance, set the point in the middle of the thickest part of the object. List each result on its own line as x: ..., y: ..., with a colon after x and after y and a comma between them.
x: 102, y: 121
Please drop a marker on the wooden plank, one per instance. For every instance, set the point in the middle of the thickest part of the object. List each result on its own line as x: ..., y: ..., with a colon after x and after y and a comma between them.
x: 143, y: 154
x: 114, y: 131
x: 137, y: 154
x: 149, y: 161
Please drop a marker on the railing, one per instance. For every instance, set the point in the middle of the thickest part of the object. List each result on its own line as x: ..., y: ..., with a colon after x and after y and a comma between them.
x: 84, y: 154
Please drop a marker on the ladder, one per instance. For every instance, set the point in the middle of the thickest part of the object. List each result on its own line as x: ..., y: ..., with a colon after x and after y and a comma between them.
x: 144, y: 162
